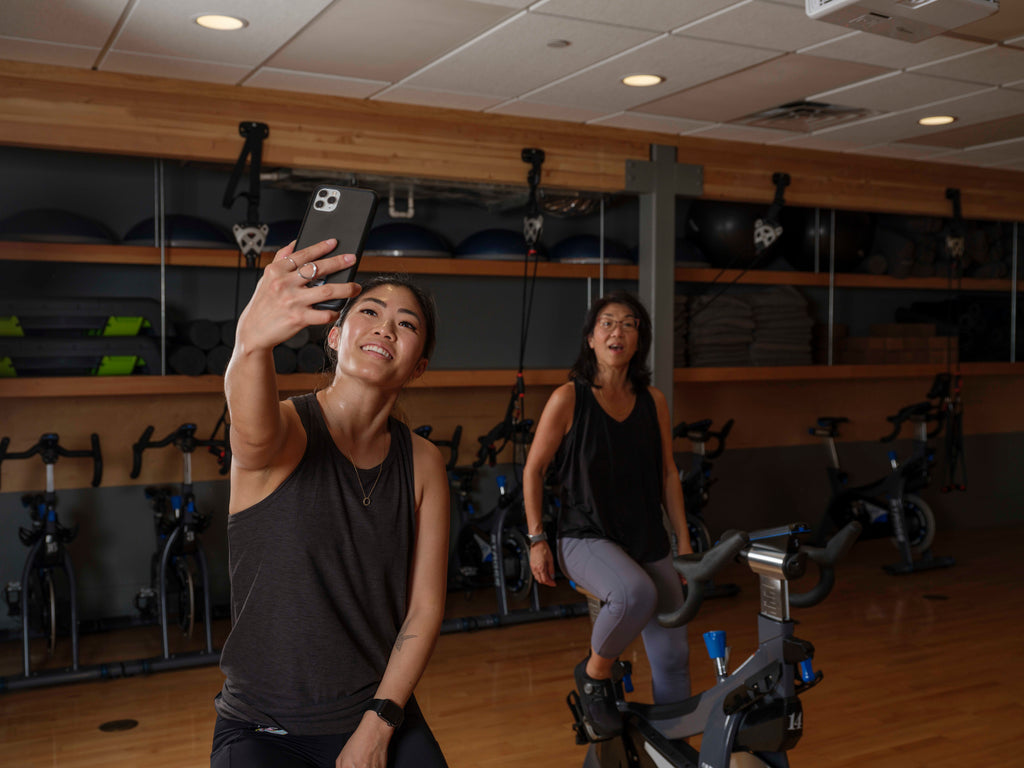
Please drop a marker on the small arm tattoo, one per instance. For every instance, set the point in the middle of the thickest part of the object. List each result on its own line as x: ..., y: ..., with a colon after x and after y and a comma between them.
x: 403, y: 636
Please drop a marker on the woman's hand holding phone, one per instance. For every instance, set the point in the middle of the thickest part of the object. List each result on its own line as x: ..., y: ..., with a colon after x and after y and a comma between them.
x: 282, y: 304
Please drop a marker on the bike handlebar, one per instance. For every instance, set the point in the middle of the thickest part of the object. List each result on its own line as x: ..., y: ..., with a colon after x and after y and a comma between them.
x: 925, y: 410
x: 699, y: 569
x: 452, y: 445
x: 504, y: 431
x: 700, y: 431
x: 50, y: 449
x: 184, y: 440
x: 826, y: 558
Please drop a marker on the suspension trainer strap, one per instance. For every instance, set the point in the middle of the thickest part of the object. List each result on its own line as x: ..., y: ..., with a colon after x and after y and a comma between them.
x: 767, y: 230
x: 533, y: 225
x: 251, y: 234
x: 956, y: 251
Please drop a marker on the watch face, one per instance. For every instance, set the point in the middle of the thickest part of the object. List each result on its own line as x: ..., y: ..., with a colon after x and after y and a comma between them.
x: 388, y: 711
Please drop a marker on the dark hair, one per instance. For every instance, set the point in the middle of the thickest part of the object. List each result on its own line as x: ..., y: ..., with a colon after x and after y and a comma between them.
x: 425, y: 300
x: 585, y: 367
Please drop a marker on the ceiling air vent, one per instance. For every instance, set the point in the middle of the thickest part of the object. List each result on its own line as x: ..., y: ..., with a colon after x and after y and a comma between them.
x: 805, y: 116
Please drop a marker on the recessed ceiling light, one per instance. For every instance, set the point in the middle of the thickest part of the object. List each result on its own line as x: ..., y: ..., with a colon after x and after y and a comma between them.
x: 643, y: 81
x: 937, y: 120
x: 220, y: 22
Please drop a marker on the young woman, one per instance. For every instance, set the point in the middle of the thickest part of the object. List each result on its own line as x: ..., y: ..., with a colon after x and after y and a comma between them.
x: 338, y: 532
x: 609, y: 434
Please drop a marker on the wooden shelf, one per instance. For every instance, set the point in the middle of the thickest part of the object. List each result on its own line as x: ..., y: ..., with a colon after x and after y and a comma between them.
x: 229, y: 258
x: 148, y: 386
x: 839, y: 372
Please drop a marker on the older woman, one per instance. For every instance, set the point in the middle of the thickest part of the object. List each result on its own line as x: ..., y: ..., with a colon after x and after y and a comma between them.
x: 608, y: 432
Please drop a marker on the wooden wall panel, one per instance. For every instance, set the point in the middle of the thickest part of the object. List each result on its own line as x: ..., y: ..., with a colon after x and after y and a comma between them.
x: 767, y: 414
x: 72, y: 109
x: 778, y: 413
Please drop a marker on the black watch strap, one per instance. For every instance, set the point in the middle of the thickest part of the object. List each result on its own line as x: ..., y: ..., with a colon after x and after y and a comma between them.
x: 388, y: 711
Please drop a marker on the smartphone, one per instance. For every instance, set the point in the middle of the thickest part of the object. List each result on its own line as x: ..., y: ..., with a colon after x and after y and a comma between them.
x: 344, y: 213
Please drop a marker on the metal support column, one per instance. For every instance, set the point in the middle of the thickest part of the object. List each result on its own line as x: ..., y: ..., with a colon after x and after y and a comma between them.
x: 658, y: 181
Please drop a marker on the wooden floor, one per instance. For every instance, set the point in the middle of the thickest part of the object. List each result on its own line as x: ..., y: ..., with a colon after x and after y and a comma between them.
x: 920, y: 670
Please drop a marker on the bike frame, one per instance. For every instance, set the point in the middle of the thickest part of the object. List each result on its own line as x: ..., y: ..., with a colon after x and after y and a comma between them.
x: 755, y: 708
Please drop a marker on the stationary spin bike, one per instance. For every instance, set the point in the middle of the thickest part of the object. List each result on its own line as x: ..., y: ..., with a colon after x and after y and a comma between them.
x: 888, y: 508
x: 35, y: 598
x: 753, y: 713
x: 179, y: 558
x: 696, y: 480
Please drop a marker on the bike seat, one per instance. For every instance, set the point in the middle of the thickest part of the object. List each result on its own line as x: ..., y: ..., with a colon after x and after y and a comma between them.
x: 827, y: 426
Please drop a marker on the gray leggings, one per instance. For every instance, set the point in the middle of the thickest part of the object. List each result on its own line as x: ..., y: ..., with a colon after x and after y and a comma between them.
x: 633, y: 594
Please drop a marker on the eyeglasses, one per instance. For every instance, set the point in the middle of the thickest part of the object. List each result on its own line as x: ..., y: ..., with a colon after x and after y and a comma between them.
x: 608, y: 324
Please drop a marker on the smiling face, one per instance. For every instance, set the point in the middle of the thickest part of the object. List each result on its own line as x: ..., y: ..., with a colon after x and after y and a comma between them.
x: 614, y: 336
x: 382, y: 336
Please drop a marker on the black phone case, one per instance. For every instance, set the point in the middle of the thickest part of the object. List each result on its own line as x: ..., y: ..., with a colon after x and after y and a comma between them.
x: 349, y: 223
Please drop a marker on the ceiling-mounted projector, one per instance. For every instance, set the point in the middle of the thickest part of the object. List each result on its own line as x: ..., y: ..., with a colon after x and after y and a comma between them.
x: 909, y: 20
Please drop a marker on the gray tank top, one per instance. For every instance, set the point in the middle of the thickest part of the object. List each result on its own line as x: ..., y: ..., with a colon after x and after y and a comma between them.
x: 318, y: 587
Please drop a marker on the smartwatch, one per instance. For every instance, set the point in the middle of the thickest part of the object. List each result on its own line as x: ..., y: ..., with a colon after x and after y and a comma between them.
x: 536, y: 538
x: 388, y: 711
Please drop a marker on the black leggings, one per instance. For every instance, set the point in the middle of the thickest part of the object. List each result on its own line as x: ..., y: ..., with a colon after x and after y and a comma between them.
x: 240, y: 745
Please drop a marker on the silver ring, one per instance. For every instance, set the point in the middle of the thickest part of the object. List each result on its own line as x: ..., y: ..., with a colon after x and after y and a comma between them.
x: 293, y: 262
x: 309, y: 277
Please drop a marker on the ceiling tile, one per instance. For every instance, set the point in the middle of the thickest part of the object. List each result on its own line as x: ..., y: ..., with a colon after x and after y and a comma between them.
x: 992, y: 66
x: 385, y: 39
x: 996, y: 154
x: 897, y: 92
x: 764, y: 25
x: 654, y: 123
x: 180, y: 69
x: 516, y: 4
x: 894, y: 54
x: 988, y: 132
x: 682, y: 61
x: 1006, y: 23
x: 787, y: 78
x: 160, y: 28
x: 515, y: 57
x: 309, y: 82
x: 403, y: 94
x: 656, y: 15
x: 76, y: 22
x: 546, y: 111
x: 975, y: 108
x: 38, y: 52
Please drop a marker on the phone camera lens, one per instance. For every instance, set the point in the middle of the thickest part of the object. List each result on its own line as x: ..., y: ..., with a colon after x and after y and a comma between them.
x: 322, y: 193
x: 318, y: 204
x: 333, y: 200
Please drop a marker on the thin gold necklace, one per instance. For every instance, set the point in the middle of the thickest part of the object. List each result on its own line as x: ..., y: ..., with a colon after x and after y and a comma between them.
x: 366, y: 496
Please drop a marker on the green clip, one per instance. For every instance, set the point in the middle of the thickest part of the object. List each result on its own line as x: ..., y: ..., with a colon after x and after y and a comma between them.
x: 11, y: 326
x: 7, y: 368
x: 124, y: 326
x: 116, y: 365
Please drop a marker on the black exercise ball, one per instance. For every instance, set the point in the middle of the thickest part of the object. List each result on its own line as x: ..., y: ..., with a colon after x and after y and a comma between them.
x: 854, y: 232
x: 724, y: 232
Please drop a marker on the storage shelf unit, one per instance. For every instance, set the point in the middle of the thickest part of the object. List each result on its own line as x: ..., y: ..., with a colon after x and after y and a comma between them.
x: 144, y: 386
x: 207, y: 257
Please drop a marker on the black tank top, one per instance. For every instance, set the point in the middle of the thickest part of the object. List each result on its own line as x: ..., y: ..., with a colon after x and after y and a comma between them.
x: 611, y: 477
x: 318, y: 587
